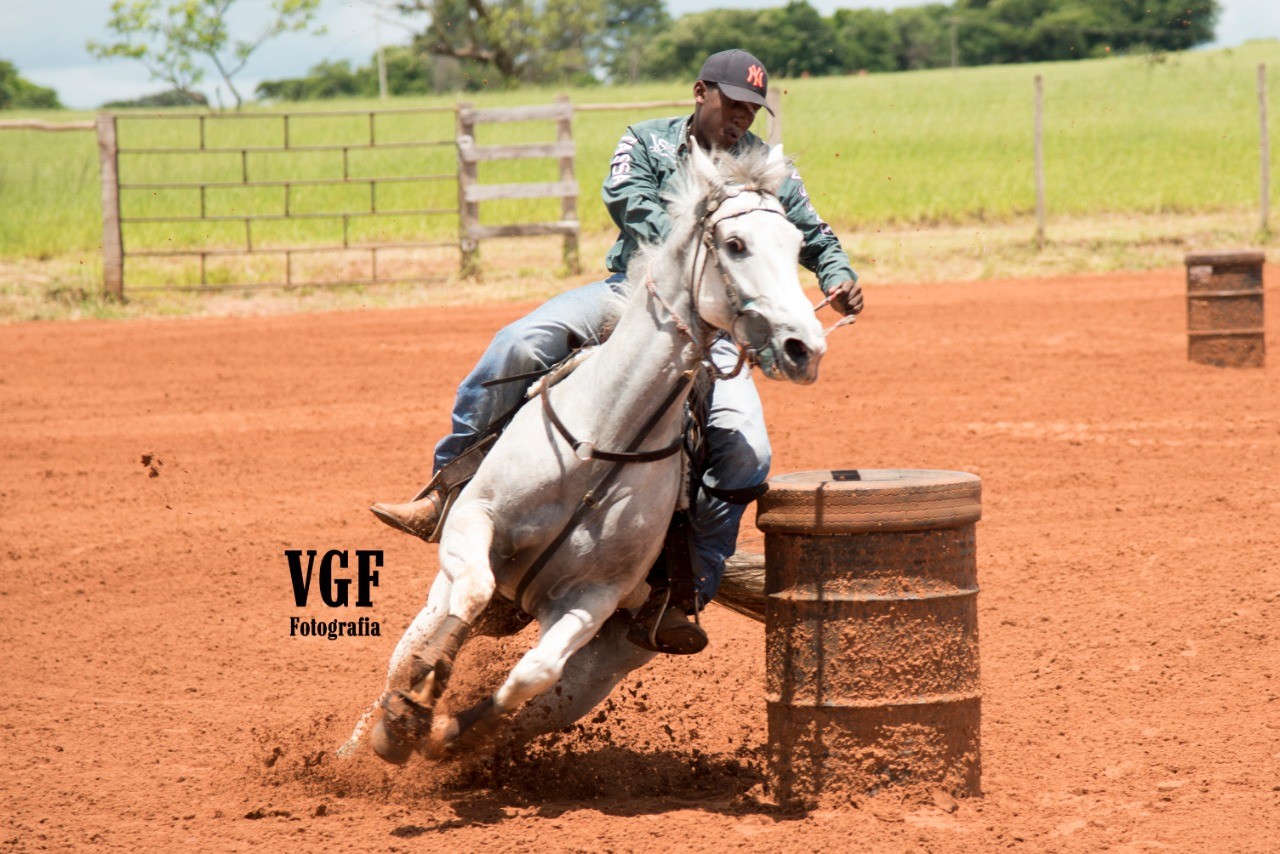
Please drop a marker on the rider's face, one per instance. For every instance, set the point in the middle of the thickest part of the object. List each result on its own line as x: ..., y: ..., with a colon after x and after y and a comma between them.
x: 719, y: 121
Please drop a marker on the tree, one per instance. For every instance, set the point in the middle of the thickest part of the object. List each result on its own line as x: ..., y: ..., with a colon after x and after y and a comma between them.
x: 1162, y: 24
x: 793, y: 40
x: 1039, y: 30
x: 629, y: 26
x: 407, y: 73
x: 866, y: 40
x: 167, y: 98
x: 678, y: 53
x: 324, y: 80
x: 514, y: 40
x: 570, y: 34
x: 925, y: 36
x: 170, y: 39
x: 18, y: 93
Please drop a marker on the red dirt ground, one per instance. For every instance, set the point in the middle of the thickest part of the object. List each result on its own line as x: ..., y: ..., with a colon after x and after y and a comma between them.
x: 151, y: 696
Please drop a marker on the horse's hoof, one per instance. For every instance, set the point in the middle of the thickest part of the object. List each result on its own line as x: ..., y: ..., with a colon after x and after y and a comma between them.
x: 403, y: 726
x: 388, y: 748
x: 468, y: 731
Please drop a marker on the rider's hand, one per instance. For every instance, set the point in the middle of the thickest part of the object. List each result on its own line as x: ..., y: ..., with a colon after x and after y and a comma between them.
x: 846, y: 297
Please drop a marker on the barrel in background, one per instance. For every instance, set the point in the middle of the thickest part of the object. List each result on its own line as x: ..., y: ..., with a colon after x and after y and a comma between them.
x: 871, y: 633
x: 1225, y: 322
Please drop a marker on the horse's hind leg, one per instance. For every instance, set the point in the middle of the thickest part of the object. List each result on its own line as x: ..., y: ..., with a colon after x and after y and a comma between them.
x: 536, y: 672
x: 589, y: 675
x: 466, y: 582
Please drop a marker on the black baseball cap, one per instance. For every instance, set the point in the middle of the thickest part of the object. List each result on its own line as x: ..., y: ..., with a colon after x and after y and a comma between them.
x: 739, y: 75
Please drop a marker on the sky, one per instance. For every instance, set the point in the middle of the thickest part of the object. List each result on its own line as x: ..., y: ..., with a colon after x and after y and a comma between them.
x: 46, y: 40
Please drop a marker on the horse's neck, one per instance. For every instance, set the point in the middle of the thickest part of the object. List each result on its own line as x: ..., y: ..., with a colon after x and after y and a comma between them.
x: 652, y: 339
x: 646, y: 356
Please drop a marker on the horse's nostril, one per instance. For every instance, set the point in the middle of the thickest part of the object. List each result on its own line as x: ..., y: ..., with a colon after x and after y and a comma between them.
x: 797, y: 351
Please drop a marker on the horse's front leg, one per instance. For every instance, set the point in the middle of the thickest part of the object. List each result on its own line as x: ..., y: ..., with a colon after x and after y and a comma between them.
x: 535, y: 673
x: 466, y: 583
x: 400, y: 671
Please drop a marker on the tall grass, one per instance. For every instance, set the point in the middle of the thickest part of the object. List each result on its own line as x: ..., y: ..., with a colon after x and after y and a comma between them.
x: 49, y: 192
x: 1173, y: 133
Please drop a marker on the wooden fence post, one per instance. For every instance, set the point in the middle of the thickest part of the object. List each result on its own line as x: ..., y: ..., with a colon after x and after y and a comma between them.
x: 468, y: 175
x: 112, y: 243
x: 774, y: 100
x: 1039, y: 144
x: 568, y: 204
x: 1264, y: 149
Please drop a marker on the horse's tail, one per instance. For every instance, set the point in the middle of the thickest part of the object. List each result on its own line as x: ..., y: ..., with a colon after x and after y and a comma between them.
x: 742, y: 586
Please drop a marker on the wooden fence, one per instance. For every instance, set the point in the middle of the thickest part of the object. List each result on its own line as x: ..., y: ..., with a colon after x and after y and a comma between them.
x: 471, y: 193
x: 118, y: 251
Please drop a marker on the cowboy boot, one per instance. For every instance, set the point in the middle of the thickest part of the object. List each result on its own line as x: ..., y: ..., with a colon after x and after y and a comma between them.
x: 419, y: 517
x: 422, y: 516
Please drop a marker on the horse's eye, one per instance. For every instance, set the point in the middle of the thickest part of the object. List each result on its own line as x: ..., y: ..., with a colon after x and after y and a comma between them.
x: 735, y: 245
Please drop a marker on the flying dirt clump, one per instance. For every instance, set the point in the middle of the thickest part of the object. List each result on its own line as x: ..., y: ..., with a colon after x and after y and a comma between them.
x: 152, y: 463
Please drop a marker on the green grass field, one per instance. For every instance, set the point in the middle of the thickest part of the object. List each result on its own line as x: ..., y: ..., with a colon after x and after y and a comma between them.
x: 1122, y: 135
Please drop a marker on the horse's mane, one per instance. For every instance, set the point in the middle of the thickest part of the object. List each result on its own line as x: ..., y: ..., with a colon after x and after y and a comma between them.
x: 751, y: 170
x: 686, y: 197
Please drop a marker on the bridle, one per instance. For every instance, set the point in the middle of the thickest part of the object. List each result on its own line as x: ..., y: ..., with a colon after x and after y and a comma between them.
x: 749, y: 330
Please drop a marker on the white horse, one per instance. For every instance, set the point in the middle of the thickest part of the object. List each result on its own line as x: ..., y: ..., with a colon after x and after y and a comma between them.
x: 555, y: 525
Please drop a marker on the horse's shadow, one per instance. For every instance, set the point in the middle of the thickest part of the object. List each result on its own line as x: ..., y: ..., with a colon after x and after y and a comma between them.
x: 611, y: 779
x: 555, y: 774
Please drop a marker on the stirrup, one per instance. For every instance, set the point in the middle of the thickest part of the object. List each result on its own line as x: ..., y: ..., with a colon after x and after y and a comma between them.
x: 680, y: 637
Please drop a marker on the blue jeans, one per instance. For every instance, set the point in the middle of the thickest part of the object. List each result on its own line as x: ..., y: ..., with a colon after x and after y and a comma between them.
x: 737, y: 444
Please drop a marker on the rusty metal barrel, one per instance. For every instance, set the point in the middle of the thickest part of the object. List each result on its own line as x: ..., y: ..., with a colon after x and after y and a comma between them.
x: 871, y: 633
x: 1225, y: 321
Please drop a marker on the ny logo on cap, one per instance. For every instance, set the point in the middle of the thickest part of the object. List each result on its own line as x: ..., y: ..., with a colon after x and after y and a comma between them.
x: 755, y: 76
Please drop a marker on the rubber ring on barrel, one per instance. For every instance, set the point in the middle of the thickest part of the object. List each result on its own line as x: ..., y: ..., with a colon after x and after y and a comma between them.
x: 1243, y: 258
x: 859, y: 501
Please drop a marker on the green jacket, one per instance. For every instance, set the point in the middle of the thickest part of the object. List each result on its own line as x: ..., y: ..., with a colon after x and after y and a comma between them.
x: 646, y: 160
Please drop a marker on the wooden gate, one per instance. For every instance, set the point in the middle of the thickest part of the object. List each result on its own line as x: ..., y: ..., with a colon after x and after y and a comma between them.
x: 471, y: 192
x: 293, y: 187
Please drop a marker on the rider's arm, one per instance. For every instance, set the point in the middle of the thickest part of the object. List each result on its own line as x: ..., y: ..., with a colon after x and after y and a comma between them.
x: 632, y: 194
x: 821, y: 252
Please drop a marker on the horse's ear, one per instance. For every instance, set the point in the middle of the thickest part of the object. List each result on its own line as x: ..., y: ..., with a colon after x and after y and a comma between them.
x: 703, y: 169
x: 777, y: 167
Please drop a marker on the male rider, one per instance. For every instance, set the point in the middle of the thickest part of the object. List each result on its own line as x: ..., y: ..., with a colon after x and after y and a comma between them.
x: 730, y: 89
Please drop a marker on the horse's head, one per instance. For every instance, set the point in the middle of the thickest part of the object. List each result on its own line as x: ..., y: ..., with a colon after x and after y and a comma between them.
x: 745, y: 280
